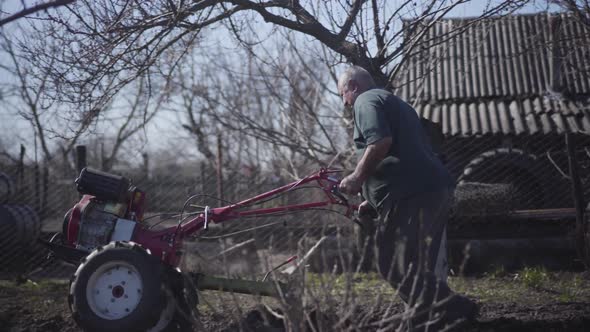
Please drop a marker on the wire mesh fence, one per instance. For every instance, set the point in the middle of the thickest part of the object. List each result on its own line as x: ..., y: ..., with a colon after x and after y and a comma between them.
x: 36, y: 199
x: 514, y: 186
x: 507, y: 186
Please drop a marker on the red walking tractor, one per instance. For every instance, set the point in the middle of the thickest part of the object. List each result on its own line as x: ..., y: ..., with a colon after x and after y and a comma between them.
x: 128, y: 278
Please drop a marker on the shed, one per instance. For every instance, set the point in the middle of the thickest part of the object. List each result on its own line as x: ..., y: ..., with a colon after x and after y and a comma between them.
x: 505, y: 91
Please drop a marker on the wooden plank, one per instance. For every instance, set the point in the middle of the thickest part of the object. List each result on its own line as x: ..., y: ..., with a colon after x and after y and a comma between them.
x: 543, y: 214
x: 266, y: 288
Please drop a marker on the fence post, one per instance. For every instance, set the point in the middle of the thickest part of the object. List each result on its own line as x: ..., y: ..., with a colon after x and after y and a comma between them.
x: 203, y: 178
x: 45, y: 194
x: 578, y: 197
x: 21, y: 167
x: 37, y: 187
x: 146, y: 165
x: 80, y: 157
x: 219, y: 168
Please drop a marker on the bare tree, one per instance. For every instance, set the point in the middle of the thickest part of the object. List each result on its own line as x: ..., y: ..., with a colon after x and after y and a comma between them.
x: 28, y: 97
x: 139, y: 108
x: 89, y: 51
x: 272, y: 109
x: 26, y: 11
x: 579, y: 8
x: 26, y: 89
x: 107, y: 44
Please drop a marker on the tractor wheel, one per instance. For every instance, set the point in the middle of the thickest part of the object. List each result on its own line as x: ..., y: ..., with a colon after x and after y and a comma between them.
x: 167, y: 316
x: 118, y: 287
x: 176, y: 317
x: 181, y: 305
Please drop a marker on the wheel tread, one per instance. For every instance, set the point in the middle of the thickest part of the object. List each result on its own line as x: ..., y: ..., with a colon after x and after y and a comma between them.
x: 82, y: 313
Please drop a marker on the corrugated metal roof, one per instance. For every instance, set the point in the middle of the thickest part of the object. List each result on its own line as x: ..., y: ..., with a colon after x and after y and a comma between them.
x: 525, y: 116
x: 490, y: 76
x: 509, y: 56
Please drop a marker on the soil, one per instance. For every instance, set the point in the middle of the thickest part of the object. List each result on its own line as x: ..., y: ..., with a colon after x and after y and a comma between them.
x: 43, y: 307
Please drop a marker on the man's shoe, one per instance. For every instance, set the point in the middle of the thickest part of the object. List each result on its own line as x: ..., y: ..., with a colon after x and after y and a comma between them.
x: 457, y: 312
x: 461, y: 307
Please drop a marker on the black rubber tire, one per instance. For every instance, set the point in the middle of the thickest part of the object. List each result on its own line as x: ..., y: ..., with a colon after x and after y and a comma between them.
x: 186, y: 302
x: 486, y: 164
x: 180, y: 322
x: 9, y: 241
x: 151, y: 304
x: 515, y: 166
x: 32, y: 223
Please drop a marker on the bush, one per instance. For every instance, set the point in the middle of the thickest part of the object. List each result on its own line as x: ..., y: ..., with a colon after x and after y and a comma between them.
x: 533, y: 276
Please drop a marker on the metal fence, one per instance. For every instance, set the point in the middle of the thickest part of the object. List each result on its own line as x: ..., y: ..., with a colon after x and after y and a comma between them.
x: 507, y: 186
x: 511, y: 186
x: 35, y: 200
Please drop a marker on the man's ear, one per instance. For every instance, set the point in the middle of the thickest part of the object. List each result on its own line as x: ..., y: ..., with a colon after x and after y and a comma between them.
x: 353, y: 86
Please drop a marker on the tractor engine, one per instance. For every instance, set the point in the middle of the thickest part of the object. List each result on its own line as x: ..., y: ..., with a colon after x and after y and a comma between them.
x: 108, y: 211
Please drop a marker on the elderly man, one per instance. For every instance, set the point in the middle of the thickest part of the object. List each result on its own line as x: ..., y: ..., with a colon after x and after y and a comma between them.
x: 411, y: 191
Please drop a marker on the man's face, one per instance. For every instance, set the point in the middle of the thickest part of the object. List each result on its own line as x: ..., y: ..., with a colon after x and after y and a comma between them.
x: 348, y: 90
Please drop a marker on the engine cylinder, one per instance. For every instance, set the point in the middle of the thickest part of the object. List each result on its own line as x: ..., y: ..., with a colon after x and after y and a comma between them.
x: 102, y: 185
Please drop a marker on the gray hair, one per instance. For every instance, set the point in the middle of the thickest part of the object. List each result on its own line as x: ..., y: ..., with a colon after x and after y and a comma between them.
x: 359, y: 75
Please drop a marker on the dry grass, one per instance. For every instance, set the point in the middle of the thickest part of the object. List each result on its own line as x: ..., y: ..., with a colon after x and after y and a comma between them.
x: 528, y: 286
x: 333, y: 293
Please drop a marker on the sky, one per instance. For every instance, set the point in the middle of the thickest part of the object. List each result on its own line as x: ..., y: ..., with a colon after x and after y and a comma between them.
x: 14, y: 130
x: 477, y: 7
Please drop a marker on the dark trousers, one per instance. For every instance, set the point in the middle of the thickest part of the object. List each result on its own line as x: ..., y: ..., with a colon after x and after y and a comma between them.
x: 408, y: 238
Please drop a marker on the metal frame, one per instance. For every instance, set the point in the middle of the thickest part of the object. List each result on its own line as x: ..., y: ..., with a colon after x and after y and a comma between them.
x: 167, y: 243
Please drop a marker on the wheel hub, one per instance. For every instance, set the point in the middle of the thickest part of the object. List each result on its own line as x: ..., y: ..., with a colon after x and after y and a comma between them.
x: 114, y: 290
x: 118, y: 291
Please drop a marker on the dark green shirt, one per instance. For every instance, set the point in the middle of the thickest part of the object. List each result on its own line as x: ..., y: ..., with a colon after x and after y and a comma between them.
x: 410, y: 167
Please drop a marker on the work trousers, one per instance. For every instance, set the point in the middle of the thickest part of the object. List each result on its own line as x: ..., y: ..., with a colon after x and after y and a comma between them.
x: 408, y: 239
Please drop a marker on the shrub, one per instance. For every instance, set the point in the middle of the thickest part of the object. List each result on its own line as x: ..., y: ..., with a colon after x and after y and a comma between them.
x: 533, y: 276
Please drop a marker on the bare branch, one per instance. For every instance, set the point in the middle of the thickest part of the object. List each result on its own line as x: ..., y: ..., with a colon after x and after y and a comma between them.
x: 34, y: 9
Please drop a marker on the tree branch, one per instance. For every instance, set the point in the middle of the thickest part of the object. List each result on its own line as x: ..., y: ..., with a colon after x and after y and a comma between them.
x: 34, y: 9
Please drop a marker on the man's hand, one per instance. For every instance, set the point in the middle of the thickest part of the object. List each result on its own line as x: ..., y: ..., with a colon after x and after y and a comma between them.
x: 365, y: 209
x: 372, y: 156
x: 350, y: 185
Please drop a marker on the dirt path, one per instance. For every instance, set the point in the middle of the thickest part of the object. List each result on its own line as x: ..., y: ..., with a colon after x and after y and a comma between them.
x: 546, y: 317
x: 43, y: 307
